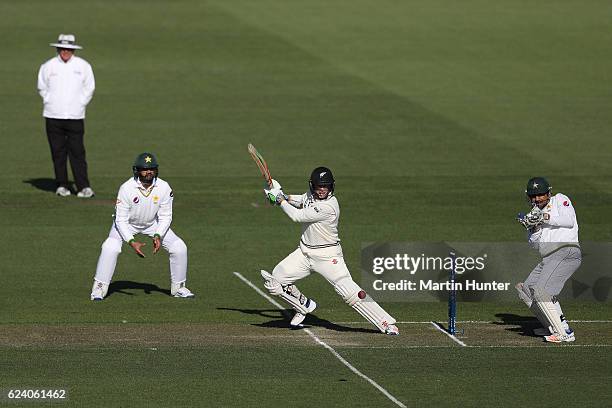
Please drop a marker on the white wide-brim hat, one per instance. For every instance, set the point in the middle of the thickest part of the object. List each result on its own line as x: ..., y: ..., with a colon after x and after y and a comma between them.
x: 66, y: 41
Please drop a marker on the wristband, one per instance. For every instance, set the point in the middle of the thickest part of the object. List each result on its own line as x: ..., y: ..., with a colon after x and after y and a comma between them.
x: 131, y: 240
x: 156, y: 236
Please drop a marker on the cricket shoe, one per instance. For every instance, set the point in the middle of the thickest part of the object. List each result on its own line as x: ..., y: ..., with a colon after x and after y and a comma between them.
x: 298, y: 318
x: 87, y: 192
x: 392, y: 330
x: 179, y: 290
x: 62, y: 192
x: 98, y: 291
x: 567, y: 337
x: 545, y: 331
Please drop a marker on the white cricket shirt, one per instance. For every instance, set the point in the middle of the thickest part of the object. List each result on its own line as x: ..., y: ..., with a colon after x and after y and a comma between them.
x: 65, y: 87
x: 319, y: 219
x: 560, y: 226
x: 140, y: 208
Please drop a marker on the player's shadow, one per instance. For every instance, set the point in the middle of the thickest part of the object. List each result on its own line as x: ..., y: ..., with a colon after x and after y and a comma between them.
x: 523, y: 325
x: 123, y: 287
x: 45, y: 184
x: 281, y: 319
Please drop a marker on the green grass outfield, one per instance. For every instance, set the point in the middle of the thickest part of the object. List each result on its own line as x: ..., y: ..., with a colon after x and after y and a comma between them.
x: 432, y: 115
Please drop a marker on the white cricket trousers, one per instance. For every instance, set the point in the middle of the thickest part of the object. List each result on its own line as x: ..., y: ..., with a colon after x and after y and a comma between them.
x: 328, y: 262
x: 550, y: 275
x: 111, y: 248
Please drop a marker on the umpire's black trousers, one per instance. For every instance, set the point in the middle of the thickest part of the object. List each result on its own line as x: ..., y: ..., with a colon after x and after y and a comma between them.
x: 66, y: 141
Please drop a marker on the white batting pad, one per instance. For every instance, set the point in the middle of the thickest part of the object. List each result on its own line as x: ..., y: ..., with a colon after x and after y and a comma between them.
x: 553, y: 319
x: 289, y: 293
x: 363, y: 303
x: 523, y: 295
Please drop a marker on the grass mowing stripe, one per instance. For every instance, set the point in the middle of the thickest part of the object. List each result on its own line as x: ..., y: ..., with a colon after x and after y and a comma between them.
x: 327, y: 346
x: 455, y: 339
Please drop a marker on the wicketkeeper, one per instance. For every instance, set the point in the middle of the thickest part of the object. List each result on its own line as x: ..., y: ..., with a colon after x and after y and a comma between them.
x: 144, y: 206
x: 320, y: 251
x: 552, y: 228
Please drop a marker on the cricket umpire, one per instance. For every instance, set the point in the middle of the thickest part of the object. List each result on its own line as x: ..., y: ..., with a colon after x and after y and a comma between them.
x: 66, y: 84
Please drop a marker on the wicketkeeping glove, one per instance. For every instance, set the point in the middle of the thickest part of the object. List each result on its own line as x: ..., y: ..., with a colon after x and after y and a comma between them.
x: 532, y: 219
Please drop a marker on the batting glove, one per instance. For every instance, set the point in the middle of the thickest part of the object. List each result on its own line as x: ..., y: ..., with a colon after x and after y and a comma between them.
x: 275, y: 196
x: 276, y: 184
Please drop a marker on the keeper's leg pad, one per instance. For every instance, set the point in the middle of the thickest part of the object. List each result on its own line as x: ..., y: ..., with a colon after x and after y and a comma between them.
x: 543, y: 302
x: 289, y: 293
x: 523, y: 294
x: 357, y: 298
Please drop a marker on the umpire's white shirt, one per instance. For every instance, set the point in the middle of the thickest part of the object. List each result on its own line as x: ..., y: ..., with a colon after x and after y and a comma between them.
x: 560, y: 226
x: 319, y: 219
x: 65, y: 87
x: 138, y: 208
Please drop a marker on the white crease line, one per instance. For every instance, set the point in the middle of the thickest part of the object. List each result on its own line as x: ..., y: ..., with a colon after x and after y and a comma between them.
x: 487, y: 322
x: 543, y: 345
x: 455, y: 339
x: 590, y: 321
x: 327, y: 346
x: 418, y: 322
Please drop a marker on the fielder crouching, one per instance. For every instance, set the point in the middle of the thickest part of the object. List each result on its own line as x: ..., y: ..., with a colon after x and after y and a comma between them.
x: 144, y: 206
x: 552, y: 229
x: 319, y: 250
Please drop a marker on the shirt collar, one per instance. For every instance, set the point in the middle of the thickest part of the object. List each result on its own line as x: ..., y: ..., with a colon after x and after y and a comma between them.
x: 62, y: 61
x: 139, y: 184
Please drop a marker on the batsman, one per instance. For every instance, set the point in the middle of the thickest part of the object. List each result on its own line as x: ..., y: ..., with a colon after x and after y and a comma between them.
x: 319, y: 250
x: 552, y: 229
x: 144, y: 206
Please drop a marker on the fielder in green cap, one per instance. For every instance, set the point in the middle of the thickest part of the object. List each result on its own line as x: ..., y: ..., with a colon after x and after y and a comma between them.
x: 552, y: 229
x: 144, y: 206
